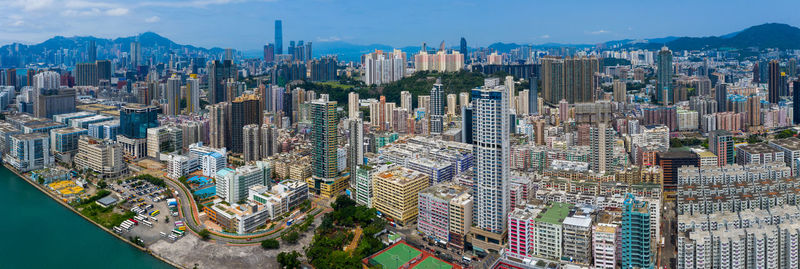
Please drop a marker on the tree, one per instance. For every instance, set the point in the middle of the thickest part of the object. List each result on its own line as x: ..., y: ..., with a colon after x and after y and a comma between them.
x: 291, y: 237
x: 289, y: 259
x: 205, y: 234
x: 270, y: 244
x: 102, y: 184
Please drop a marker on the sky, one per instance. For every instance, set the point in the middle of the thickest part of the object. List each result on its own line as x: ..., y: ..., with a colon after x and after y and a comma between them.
x: 249, y: 24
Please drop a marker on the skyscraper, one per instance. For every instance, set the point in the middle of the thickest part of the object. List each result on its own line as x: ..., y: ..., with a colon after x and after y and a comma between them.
x: 491, y: 147
x: 721, y: 93
x: 352, y: 105
x: 218, y: 75
x: 323, y: 139
x: 218, y: 125
x: 173, y: 95
x: 664, y: 87
x: 463, y: 49
x: 269, y: 53
x: 91, y: 51
x: 774, y: 82
x: 406, y: 100
x: 244, y: 111
x: 602, y: 148
x: 136, y: 54
x: 355, y: 155
x: 533, y: 99
x: 635, y: 234
x: 437, y: 107
x: 278, y: 37
x: 796, y: 102
x: 86, y: 74
x: 103, y: 70
x: 192, y: 94
x: 620, y: 89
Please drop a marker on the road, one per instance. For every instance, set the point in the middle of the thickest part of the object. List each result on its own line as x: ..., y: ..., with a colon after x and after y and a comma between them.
x: 187, y: 204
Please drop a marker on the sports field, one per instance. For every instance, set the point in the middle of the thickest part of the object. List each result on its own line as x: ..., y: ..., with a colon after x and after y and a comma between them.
x: 432, y: 263
x: 396, y: 256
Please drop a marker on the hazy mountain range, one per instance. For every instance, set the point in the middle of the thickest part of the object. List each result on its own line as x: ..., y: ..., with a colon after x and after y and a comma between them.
x: 770, y: 35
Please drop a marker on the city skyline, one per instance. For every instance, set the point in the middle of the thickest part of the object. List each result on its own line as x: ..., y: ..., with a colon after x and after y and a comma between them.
x: 36, y: 21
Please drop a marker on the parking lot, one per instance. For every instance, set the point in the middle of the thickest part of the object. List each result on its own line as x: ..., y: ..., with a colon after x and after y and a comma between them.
x: 149, y: 198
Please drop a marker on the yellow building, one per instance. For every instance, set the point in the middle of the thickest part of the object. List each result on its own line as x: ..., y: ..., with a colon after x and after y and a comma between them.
x: 396, y: 193
x: 327, y: 188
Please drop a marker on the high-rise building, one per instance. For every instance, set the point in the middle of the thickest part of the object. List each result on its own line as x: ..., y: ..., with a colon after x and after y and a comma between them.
x: 620, y: 89
x: 269, y: 53
x: 192, y: 94
x: 440, y: 61
x: 136, y: 54
x: 218, y: 75
x: 452, y: 104
x: 571, y: 79
x: 437, y: 108
x: 323, y: 69
x: 664, y: 87
x: 396, y: 193
x: 406, y: 100
x: 774, y: 83
x: 53, y: 101
x: 46, y: 80
x: 91, y: 51
x: 796, y: 102
x: 533, y: 98
x: 352, y: 105
x: 602, y: 147
x: 464, y: 50
x: 29, y: 151
x: 173, y: 95
x: 720, y: 142
x: 251, y: 142
x: 445, y: 210
x: 234, y: 185
x: 323, y: 139
x: 101, y: 156
x: 278, y: 37
x: 244, y: 111
x: 636, y: 248
x: 492, y: 149
x: 721, y: 94
x: 355, y: 155
x: 218, y: 123
x: 383, y: 67
x: 86, y: 74
x: 103, y: 70
x: 670, y: 162
x: 604, y: 245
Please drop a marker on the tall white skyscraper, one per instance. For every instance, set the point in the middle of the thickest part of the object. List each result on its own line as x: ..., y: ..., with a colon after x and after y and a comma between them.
x: 46, y: 80
x: 356, y: 150
x: 406, y: 101
x: 352, y: 105
x: 602, y: 141
x: 492, y: 149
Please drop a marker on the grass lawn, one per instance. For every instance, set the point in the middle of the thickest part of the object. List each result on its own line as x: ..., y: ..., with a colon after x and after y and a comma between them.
x: 336, y: 84
x: 104, y: 216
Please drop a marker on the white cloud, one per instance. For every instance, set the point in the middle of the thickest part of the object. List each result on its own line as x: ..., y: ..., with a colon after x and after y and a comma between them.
x: 119, y: 11
x: 196, y: 3
x: 329, y: 39
x: 153, y: 19
x: 545, y: 36
x: 600, y: 32
x: 17, y: 23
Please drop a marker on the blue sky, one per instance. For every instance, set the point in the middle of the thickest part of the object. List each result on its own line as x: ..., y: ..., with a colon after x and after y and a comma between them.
x: 248, y: 24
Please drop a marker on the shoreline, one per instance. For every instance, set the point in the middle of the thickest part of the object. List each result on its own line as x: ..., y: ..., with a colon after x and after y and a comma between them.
x: 61, y: 202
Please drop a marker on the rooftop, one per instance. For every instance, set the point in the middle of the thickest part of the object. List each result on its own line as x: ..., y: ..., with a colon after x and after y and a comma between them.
x: 791, y: 143
x: 555, y: 213
x: 758, y: 148
x: 68, y: 130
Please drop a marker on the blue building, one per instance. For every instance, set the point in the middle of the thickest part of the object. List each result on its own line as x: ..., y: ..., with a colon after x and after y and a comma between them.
x: 134, y: 120
x: 636, y: 252
x: 104, y: 130
x: 66, y: 139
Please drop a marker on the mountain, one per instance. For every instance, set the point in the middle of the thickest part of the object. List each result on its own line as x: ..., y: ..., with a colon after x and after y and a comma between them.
x: 769, y: 35
x: 147, y: 40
